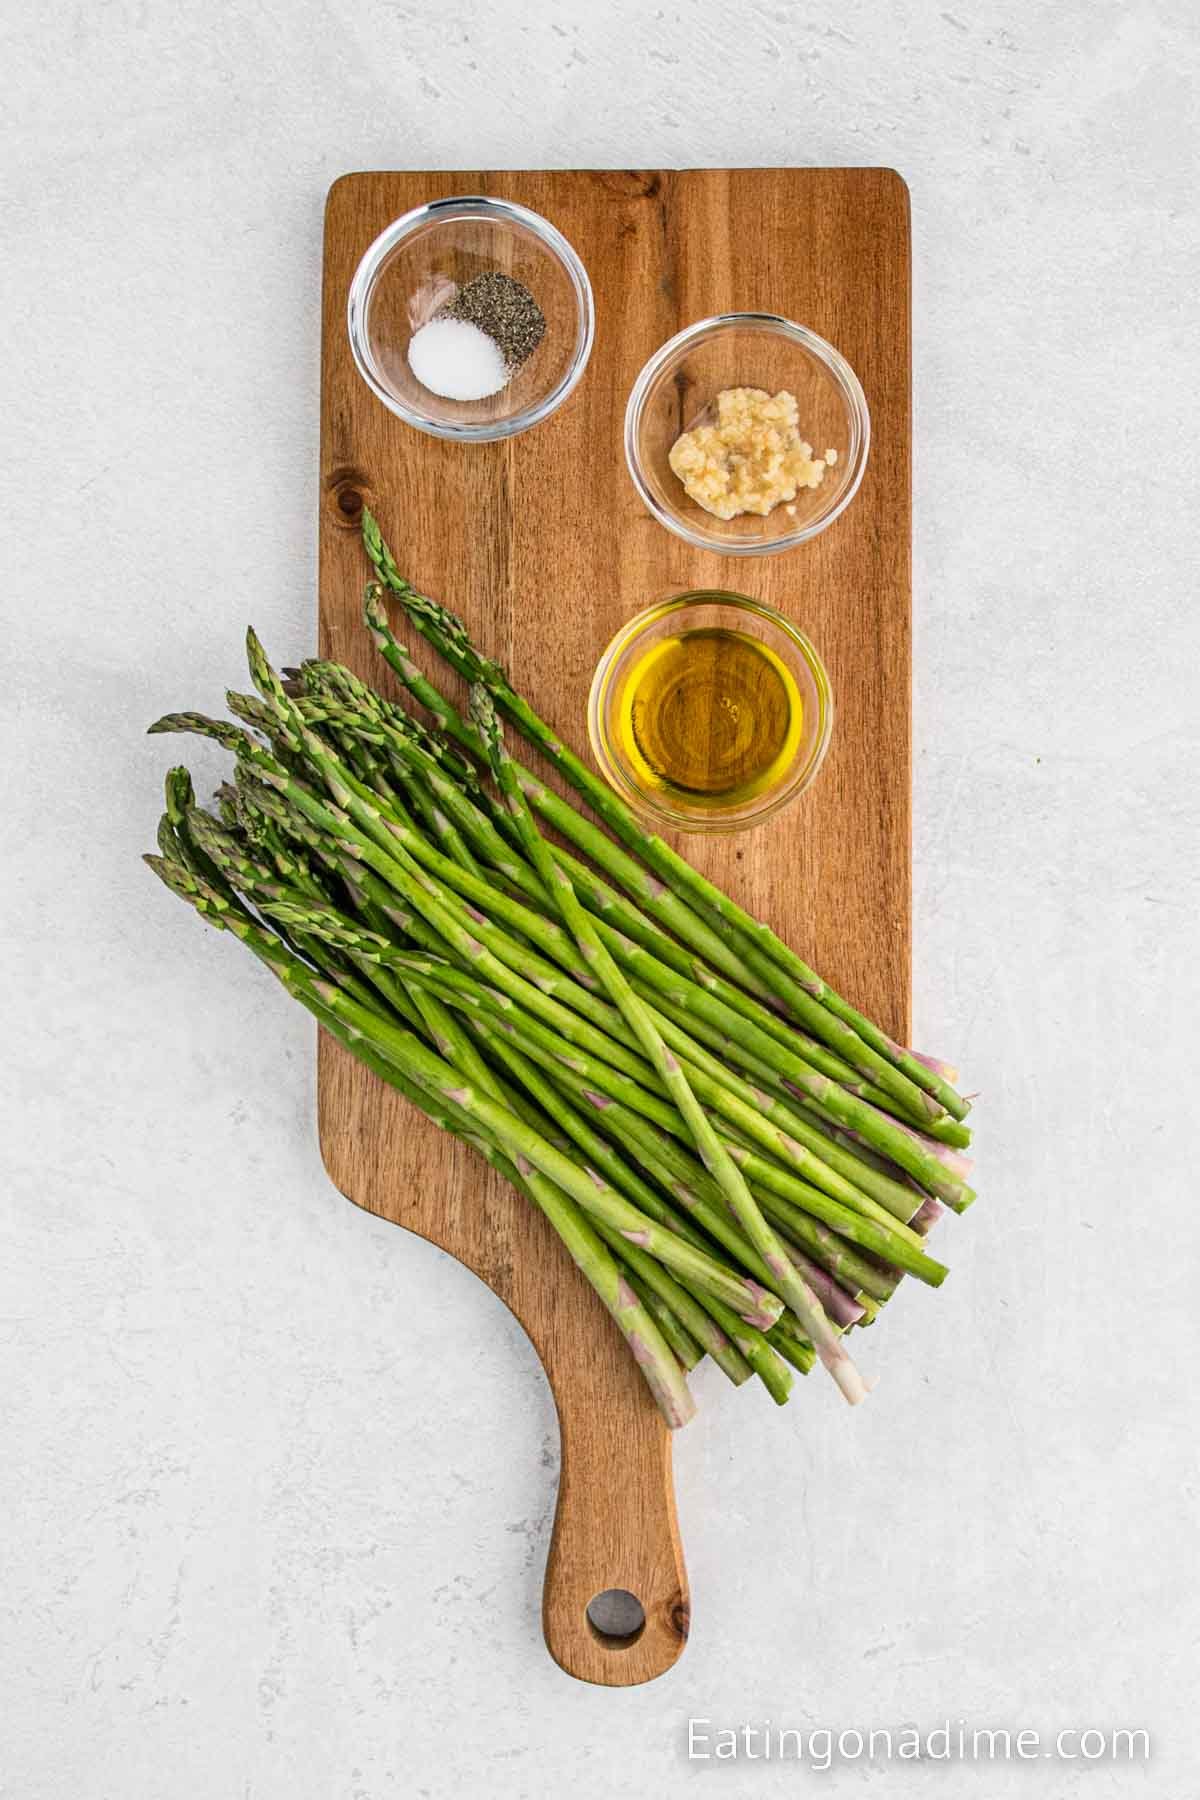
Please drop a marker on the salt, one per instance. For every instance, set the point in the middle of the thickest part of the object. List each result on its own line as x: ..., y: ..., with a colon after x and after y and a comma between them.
x: 457, y: 360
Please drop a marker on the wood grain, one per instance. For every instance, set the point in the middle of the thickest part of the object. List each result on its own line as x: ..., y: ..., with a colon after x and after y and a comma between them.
x: 543, y: 547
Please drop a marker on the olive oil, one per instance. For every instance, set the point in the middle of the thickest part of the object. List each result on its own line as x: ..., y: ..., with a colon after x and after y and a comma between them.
x: 711, y: 715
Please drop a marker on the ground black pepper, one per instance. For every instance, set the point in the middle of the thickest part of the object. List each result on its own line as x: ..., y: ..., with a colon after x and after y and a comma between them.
x: 506, y: 310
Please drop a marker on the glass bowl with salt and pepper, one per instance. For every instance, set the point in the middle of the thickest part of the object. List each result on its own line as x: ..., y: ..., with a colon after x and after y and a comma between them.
x: 471, y: 318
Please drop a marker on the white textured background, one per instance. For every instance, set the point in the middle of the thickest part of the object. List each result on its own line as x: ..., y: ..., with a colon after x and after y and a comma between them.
x: 276, y: 1479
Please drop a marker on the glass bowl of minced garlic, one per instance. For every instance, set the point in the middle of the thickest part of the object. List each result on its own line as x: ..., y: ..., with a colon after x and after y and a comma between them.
x: 747, y: 434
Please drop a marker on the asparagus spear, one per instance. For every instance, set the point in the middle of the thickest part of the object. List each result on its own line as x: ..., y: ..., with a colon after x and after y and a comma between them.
x: 799, y: 1357
x: 808, y: 1215
x: 534, y: 1021
x: 749, y: 1341
x: 796, y: 1143
x: 404, y: 1062
x: 683, y: 1322
x: 707, y: 1009
x: 662, y: 1371
x: 328, y: 924
x: 665, y: 1160
x: 710, y: 1001
x: 665, y: 905
x: 688, y: 1259
x: 649, y: 894
x: 732, y: 1343
x: 729, y: 1340
x: 686, y: 1324
x: 748, y: 1040
x: 684, y: 1347
x: 363, y: 831
x: 889, y: 1193
x: 830, y: 1017
x: 714, y: 1153
x: 601, y: 1017
x: 601, y: 1085
x: 840, y: 1307
x: 395, y: 839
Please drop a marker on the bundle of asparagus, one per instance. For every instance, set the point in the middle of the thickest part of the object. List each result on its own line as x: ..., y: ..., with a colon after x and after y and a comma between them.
x: 738, y: 1161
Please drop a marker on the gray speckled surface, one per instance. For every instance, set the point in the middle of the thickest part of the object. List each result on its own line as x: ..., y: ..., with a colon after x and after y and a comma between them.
x: 277, y: 1479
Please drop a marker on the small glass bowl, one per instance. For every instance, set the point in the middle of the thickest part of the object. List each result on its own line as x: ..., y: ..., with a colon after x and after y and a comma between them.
x: 682, y: 380
x: 449, y: 242
x: 707, y: 609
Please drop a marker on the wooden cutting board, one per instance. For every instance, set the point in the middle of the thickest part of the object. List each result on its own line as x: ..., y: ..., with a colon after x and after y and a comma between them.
x: 544, y: 548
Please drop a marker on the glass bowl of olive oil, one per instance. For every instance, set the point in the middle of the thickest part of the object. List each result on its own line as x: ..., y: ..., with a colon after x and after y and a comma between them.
x: 710, y: 711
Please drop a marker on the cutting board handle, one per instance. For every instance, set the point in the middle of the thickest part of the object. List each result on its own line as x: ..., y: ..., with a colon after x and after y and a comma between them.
x: 615, y: 1528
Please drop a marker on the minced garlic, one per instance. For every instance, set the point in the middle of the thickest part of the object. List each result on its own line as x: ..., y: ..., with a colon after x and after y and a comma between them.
x: 751, y: 458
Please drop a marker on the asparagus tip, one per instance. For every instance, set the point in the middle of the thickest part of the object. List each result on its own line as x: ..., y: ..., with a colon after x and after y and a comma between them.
x: 483, y: 709
x: 374, y: 610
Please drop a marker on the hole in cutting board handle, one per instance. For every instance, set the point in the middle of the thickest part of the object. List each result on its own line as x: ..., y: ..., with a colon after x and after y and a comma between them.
x: 616, y: 1618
